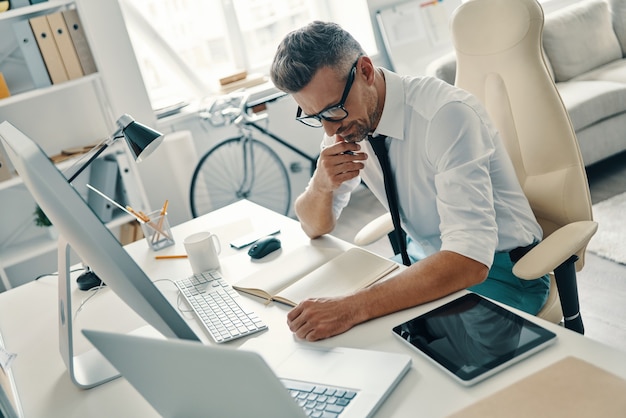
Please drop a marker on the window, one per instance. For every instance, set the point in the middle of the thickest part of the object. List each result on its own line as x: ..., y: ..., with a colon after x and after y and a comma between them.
x: 185, y: 46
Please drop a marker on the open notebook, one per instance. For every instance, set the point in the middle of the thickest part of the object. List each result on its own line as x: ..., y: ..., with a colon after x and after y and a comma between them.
x: 346, y: 273
x: 188, y: 379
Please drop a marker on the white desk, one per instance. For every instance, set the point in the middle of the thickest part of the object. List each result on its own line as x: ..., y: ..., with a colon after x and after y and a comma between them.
x: 28, y: 321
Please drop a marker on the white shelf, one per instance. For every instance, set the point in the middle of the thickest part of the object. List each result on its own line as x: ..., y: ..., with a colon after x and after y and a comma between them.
x: 34, y: 9
x: 27, y: 250
x: 65, y: 115
x: 16, y: 180
x: 20, y: 97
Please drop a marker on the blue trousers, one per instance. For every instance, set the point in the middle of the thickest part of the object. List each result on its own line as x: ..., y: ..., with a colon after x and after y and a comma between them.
x: 501, y: 284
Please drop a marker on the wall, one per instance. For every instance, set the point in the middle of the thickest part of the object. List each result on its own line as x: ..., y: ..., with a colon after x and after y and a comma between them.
x: 281, y: 122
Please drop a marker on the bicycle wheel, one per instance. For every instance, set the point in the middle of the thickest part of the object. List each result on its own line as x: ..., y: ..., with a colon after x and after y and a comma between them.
x: 240, y: 168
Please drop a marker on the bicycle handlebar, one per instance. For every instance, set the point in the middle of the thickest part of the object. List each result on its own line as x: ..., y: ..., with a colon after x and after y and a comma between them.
x: 235, y: 109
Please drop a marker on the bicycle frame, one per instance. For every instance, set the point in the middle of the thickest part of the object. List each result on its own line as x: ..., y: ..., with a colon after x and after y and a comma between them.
x: 236, y: 110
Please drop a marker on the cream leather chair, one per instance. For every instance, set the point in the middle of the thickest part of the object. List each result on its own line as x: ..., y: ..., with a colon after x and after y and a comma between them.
x: 500, y: 60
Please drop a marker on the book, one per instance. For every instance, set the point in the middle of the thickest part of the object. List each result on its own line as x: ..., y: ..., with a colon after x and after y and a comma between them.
x: 103, y: 177
x: 30, y: 51
x: 65, y: 45
x: 5, y: 171
x: 130, y: 232
x: 48, y: 48
x: 571, y: 388
x: 81, y: 45
x: 4, y: 89
x: 343, y: 274
x: 128, y: 191
x: 16, y: 4
x: 250, y: 80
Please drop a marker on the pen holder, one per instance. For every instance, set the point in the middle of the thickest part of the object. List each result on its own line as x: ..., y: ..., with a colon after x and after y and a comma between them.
x: 157, y: 231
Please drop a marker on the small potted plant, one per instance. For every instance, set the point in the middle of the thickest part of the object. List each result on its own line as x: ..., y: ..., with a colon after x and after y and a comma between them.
x: 42, y: 220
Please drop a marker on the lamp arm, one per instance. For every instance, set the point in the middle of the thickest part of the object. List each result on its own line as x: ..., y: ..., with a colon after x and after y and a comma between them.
x: 94, y: 156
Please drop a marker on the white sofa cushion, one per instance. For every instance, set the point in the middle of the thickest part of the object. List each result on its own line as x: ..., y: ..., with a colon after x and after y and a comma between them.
x: 579, y: 38
x: 613, y: 71
x: 618, y: 11
x: 590, y: 102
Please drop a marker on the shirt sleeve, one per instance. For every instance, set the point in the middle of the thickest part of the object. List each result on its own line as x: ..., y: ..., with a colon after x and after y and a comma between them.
x: 341, y: 196
x: 460, y: 147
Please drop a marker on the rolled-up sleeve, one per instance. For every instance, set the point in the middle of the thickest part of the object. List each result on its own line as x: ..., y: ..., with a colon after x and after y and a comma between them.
x: 460, y: 147
x: 341, y: 196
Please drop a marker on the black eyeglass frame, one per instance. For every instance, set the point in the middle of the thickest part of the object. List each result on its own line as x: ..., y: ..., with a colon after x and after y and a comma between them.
x: 308, y: 120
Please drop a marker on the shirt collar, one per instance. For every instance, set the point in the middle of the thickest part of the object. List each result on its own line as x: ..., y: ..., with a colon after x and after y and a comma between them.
x: 391, y: 121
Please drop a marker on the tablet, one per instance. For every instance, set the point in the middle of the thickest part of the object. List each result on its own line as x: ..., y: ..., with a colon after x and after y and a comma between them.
x: 472, y: 338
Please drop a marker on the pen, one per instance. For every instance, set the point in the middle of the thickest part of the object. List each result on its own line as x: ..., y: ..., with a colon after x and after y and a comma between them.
x: 166, y: 257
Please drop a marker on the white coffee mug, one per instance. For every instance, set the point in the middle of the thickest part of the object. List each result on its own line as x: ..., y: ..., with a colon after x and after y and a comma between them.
x: 202, y: 250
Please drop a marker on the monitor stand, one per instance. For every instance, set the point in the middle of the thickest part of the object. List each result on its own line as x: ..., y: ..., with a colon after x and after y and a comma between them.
x: 88, y: 369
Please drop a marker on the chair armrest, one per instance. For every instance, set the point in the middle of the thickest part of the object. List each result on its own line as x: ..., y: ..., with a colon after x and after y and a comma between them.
x: 374, y: 230
x: 555, y: 249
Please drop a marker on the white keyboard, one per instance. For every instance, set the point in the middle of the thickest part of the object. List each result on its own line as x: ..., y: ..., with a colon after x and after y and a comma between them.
x: 213, y: 301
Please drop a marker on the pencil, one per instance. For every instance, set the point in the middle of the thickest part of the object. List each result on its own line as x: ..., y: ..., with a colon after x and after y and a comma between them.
x: 164, y: 208
x: 139, y: 216
x: 156, y: 236
x: 166, y: 257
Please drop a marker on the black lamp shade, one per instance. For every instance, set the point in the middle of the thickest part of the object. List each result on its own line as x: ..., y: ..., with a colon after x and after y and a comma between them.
x: 141, y: 139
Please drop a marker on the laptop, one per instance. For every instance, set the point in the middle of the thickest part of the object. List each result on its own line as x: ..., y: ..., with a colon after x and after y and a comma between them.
x: 190, y: 379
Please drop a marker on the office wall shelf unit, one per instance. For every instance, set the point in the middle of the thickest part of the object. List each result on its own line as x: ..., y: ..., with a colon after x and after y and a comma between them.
x: 72, y: 113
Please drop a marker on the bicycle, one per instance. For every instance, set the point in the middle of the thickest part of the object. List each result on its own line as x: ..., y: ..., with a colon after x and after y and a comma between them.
x: 242, y: 167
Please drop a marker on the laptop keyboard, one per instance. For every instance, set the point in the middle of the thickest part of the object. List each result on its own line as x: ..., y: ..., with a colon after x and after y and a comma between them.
x: 213, y: 301
x: 319, y: 400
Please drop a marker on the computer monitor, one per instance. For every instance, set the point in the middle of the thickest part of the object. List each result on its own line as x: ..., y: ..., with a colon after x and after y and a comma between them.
x: 93, y: 242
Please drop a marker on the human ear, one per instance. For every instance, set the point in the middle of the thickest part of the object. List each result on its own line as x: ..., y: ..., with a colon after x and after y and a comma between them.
x: 366, y: 68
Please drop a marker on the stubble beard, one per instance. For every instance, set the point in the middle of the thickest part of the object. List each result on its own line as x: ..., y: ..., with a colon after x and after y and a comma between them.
x: 362, y: 129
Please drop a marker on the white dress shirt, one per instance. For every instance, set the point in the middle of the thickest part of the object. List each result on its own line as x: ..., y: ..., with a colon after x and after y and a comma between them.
x: 457, y: 188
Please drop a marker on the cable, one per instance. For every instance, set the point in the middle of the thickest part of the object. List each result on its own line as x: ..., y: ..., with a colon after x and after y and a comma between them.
x: 56, y: 274
x: 95, y: 291
x: 178, y: 298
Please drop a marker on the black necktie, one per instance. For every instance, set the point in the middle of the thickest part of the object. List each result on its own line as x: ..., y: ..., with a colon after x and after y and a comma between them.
x: 380, y: 148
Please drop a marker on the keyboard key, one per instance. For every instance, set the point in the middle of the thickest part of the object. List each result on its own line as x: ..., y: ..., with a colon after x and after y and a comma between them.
x: 319, y: 400
x: 212, y: 299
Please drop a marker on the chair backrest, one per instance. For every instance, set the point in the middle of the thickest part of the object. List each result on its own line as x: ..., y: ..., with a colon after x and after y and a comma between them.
x: 500, y: 60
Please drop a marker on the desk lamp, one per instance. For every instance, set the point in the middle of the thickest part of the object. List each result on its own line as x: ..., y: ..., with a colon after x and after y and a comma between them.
x: 142, y: 141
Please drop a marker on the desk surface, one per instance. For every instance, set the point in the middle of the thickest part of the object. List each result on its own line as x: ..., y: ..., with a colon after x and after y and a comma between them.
x: 28, y: 321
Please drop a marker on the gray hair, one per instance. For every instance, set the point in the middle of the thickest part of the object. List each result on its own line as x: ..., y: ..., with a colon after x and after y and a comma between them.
x: 304, y: 51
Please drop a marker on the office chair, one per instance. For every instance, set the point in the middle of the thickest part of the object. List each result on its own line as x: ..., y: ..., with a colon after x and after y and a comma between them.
x: 498, y: 44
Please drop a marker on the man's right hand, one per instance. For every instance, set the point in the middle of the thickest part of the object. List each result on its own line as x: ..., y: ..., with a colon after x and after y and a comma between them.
x: 335, y: 165
x: 338, y: 163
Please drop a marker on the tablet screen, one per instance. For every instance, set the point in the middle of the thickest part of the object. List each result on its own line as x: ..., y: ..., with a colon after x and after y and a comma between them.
x: 473, y: 338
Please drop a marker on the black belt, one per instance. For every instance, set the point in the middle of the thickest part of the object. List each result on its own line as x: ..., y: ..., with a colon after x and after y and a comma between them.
x: 516, y: 253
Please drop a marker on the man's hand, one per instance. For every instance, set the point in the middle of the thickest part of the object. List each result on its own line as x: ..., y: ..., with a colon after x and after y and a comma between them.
x: 316, y: 319
x: 437, y: 275
x: 338, y: 163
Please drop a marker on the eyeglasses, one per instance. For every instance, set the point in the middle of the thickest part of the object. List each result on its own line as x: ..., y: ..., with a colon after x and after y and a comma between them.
x: 334, y: 113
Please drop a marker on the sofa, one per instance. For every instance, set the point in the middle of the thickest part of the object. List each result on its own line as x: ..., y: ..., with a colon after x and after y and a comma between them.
x: 585, y: 48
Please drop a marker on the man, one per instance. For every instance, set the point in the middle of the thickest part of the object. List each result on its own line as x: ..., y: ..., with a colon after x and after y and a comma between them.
x: 460, y: 203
